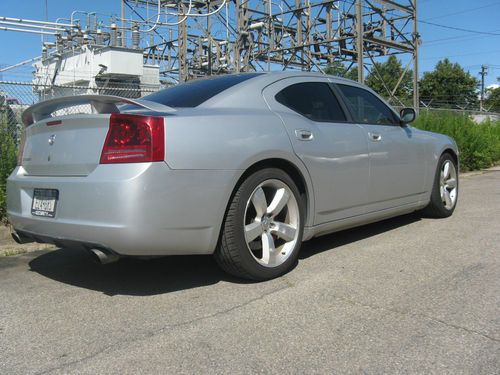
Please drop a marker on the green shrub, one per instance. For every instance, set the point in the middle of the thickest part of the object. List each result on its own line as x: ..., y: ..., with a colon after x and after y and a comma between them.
x: 478, y: 144
x: 8, y: 156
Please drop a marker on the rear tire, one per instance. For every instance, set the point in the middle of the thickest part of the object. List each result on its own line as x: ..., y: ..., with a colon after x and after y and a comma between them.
x: 262, y: 230
x: 444, y: 194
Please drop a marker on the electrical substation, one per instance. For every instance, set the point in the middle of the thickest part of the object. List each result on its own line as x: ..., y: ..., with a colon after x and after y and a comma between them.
x: 152, y: 43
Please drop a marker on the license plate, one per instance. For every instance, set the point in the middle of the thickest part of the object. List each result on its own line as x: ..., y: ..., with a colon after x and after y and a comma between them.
x: 44, y: 202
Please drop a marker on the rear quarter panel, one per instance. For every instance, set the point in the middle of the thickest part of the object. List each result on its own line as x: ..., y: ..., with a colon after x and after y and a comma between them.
x: 230, y: 139
x: 223, y: 139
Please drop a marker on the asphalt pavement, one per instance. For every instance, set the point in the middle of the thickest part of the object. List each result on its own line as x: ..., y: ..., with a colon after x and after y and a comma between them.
x: 407, y: 295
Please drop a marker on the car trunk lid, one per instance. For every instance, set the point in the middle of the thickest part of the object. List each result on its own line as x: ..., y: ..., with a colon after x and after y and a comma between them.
x: 71, y: 144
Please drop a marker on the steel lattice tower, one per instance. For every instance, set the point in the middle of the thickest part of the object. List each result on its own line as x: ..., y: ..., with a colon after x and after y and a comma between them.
x: 244, y: 35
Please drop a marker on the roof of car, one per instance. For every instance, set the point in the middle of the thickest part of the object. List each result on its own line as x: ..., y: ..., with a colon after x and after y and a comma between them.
x: 249, y: 91
x: 274, y: 75
x: 235, y: 90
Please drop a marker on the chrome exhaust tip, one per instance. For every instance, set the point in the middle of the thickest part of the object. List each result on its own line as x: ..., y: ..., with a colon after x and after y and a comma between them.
x: 21, y: 239
x: 103, y: 257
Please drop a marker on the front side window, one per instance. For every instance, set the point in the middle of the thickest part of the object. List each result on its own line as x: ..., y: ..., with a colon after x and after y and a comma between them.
x: 314, y: 100
x: 366, y: 107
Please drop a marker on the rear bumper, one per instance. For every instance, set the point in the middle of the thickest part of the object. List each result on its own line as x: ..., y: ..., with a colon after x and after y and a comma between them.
x: 143, y: 209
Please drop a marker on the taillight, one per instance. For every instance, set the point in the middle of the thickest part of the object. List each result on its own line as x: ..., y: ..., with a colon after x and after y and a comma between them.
x: 134, y: 139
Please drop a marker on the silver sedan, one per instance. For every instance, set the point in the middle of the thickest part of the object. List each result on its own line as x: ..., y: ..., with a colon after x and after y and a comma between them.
x: 245, y: 167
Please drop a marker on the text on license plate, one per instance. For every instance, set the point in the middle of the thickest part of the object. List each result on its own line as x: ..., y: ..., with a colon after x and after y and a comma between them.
x: 44, y: 202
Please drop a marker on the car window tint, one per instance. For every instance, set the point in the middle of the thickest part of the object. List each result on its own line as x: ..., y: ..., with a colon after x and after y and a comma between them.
x: 314, y: 100
x: 193, y: 93
x: 366, y: 107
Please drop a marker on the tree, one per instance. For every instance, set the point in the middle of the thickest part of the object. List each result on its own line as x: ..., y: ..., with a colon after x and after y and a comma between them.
x: 8, y: 151
x: 388, y: 74
x: 335, y: 69
x: 384, y: 77
x: 352, y: 73
x: 339, y: 69
x: 492, y: 103
x: 449, y: 86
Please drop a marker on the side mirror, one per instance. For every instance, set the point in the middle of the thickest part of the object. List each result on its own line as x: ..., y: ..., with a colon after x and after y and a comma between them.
x: 407, y: 115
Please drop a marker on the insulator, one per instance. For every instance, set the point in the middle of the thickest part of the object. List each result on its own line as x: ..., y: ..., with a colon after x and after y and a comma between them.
x: 99, y: 40
x: 136, y: 37
x: 113, y: 35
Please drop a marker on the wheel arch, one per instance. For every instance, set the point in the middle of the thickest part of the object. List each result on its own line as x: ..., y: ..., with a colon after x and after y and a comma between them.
x: 435, y: 206
x: 300, y: 177
x: 453, y: 154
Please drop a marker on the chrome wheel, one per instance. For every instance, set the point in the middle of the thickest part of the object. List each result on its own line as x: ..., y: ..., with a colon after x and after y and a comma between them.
x: 448, y: 185
x: 271, y: 223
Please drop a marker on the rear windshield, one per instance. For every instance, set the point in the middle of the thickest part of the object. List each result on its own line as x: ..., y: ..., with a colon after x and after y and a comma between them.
x: 193, y: 93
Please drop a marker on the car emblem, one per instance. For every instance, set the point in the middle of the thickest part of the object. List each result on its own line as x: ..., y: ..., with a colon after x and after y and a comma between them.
x: 52, y: 139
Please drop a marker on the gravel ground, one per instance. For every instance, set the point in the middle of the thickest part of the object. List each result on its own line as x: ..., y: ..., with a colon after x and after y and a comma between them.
x: 9, y: 247
x: 407, y: 295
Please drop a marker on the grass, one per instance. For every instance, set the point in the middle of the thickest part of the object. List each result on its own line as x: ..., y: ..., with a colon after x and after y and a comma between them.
x: 8, y: 252
x: 8, y: 158
x: 478, y: 144
x: 11, y: 249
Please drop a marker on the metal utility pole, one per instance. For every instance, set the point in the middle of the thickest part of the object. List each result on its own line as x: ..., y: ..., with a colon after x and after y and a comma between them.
x: 416, y: 42
x: 483, y: 73
x: 299, y: 33
x: 123, y: 43
x: 183, y: 47
x: 359, y: 40
x: 243, y: 41
x: 209, y: 41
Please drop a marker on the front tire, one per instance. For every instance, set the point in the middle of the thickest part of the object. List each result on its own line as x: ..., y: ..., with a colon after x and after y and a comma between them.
x: 444, y: 194
x: 263, y: 227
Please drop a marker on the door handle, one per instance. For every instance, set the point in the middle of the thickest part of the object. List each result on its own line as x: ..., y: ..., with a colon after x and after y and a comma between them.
x: 375, y: 137
x: 304, y: 135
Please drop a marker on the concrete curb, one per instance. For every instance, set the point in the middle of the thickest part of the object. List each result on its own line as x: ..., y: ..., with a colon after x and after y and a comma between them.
x: 480, y: 172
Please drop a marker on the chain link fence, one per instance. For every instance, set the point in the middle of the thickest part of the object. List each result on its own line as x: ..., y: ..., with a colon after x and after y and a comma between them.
x: 15, y: 97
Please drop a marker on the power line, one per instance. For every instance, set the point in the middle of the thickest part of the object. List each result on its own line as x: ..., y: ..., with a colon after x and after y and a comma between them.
x: 454, y: 39
x: 462, y: 54
x: 463, y: 11
x: 459, y: 28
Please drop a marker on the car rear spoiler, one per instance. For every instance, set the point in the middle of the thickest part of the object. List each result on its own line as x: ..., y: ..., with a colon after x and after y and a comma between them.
x: 99, y: 103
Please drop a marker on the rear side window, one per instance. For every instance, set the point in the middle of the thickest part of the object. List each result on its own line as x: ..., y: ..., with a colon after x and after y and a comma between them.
x: 366, y: 108
x: 314, y: 100
x: 193, y: 93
